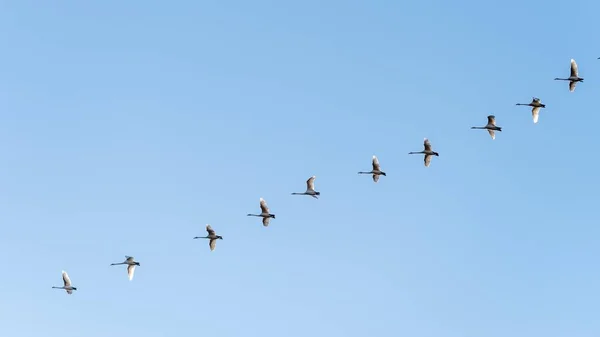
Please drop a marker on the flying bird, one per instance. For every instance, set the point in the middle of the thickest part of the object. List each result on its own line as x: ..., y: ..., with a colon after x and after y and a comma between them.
x: 427, y: 152
x: 376, y: 171
x: 67, y: 283
x: 130, y: 266
x: 574, y: 78
x: 265, y: 213
x: 212, y: 236
x: 537, y: 105
x: 310, y: 188
x: 491, y: 126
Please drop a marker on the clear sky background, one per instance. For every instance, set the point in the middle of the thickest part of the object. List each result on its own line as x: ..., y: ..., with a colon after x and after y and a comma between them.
x: 127, y: 126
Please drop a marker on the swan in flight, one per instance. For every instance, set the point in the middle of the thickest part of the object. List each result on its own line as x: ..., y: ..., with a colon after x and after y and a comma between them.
x: 67, y: 282
x: 212, y: 236
x: 130, y: 266
x: 265, y: 213
x: 376, y: 171
x: 310, y: 188
x: 574, y: 78
x: 537, y: 105
x: 491, y: 126
x: 427, y: 152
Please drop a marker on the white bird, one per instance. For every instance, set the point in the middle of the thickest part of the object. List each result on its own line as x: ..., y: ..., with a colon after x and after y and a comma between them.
x: 265, y: 213
x: 212, y: 236
x: 537, y: 105
x: 427, y: 152
x: 574, y: 78
x: 310, y: 188
x: 376, y: 171
x: 67, y: 283
x: 130, y: 266
x: 491, y: 126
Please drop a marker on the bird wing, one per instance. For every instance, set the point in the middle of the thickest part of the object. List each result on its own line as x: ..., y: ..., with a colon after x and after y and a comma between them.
x: 572, y: 86
x: 535, y: 113
x: 574, y: 70
x: 130, y: 271
x: 69, y: 291
x: 212, y: 244
x: 427, y: 144
x: 210, y: 231
x: 376, y: 177
x: 266, y: 221
x: 375, y: 164
x: 66, y: 279
x: 427, y: 160
x: 310, y: 183
x: 263, y: 206
x: 128, y: 258
x: 492, y: 133
x: 491, y: 120
x: 535, y: 99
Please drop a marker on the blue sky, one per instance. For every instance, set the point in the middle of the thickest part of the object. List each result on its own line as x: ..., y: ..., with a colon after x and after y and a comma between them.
x: 126, y: 127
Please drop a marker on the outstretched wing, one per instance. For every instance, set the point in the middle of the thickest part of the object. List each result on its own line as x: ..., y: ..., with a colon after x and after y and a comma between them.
x: 427, y: 144
x: 263, y: 206
x: 376, y: 177
x: 492, y: 134
x: 427, y: 160
x: 574, y: 70
x: 212, y: 244
x: 572, y: 86
x: 266, y: 221
x: 210, y: 231
x: 310, y: 183
x: 535, y: 113
x: 128, y: 258
x: 376, y: 164
x: 491, y: 120
x: 130, y: 271
x: 66, y: 279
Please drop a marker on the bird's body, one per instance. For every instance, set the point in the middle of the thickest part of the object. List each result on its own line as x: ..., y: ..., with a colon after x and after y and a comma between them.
x: 131, y: 263
x: 490, y: 126
x: 574, y: 78
x: 212, y: 236
x: 428, y: 152
x: 376, y: 171
x: 310, y: 188
x: 264, y: 213
x: 536, y: 105
x: 67, y: 284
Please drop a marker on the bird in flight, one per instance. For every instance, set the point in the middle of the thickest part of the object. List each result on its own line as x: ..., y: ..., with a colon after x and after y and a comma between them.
x: 310, y: 188
x: 265, y: 213
x: 212, y: 236
x: 376, y: 171
x: 129, y: 261
x: 427, y: 152
x: 67, y: 283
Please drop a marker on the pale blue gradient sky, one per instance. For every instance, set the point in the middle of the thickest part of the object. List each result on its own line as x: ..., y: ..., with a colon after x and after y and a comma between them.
x: 127, y: 126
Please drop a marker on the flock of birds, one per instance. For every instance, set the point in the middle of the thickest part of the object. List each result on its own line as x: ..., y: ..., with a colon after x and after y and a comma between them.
x: 376, y: 171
